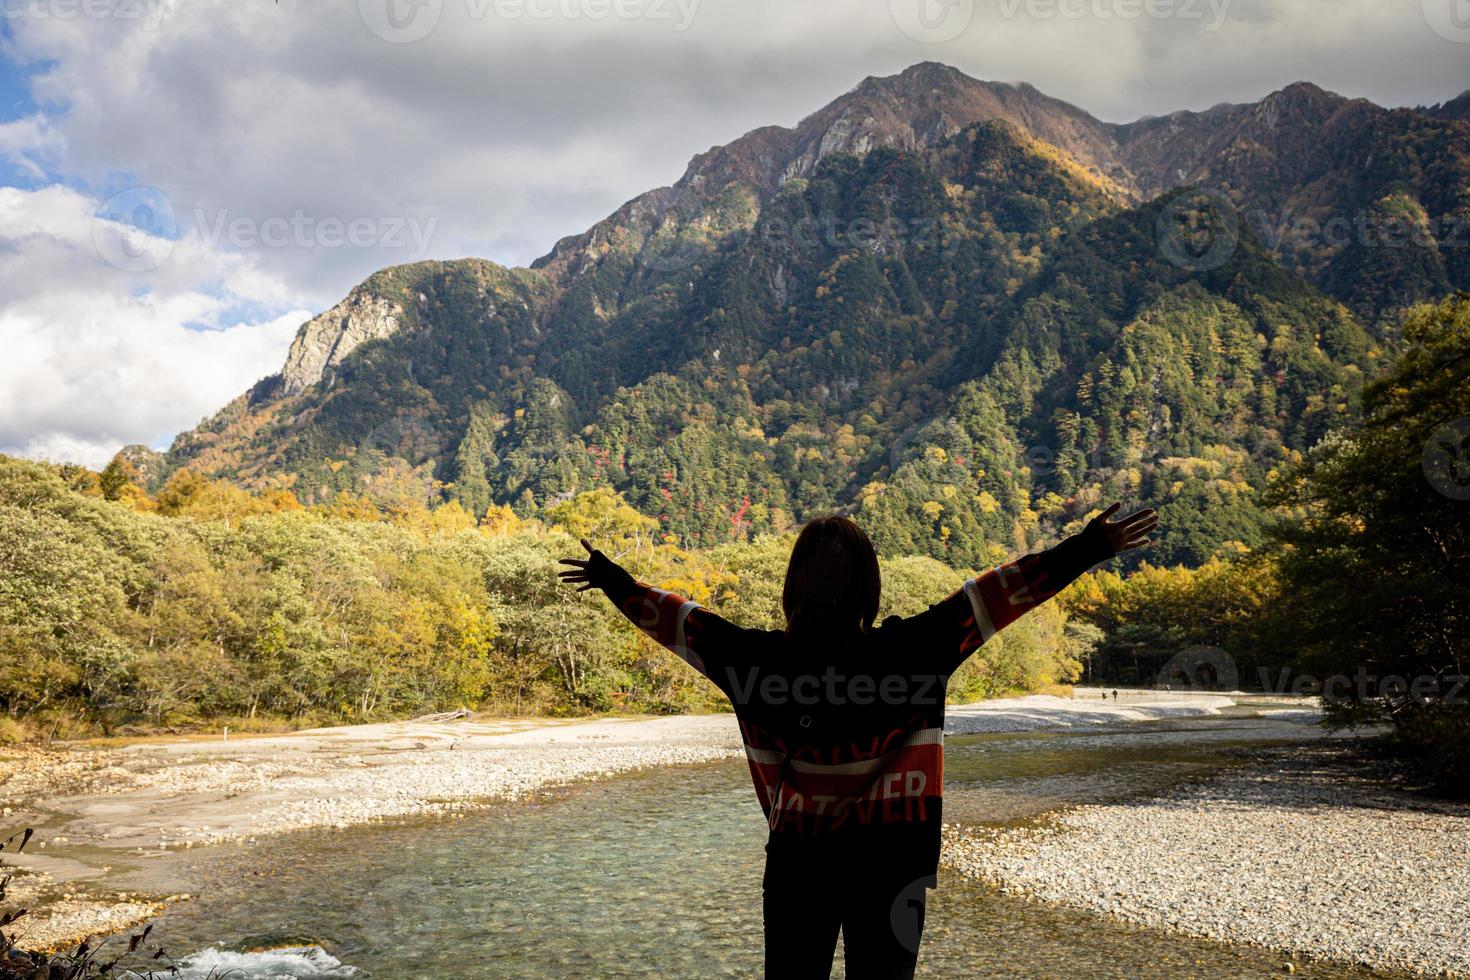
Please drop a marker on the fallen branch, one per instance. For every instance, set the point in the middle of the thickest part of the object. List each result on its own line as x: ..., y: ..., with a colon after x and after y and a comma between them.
x: 444, y: 716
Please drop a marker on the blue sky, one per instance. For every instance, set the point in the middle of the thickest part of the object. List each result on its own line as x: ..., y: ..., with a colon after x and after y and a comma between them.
x: 15, y: 96
x: 15, y: 103
x: 257, y: 133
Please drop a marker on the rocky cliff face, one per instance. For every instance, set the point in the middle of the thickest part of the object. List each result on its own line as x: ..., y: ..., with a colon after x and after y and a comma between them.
x: 1279, y: 133
x: 324, y: 342
x: 1456, y: 108
x: 915, y: 110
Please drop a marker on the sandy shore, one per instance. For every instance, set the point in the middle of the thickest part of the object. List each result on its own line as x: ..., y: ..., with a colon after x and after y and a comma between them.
x: 95, y: 804
x: 1300, y: 852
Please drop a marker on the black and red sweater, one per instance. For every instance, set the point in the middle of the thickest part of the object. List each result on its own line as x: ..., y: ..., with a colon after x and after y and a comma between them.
x: 846, y: 741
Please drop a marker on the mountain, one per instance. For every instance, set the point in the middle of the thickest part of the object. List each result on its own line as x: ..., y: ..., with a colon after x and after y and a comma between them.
x: 1456, y: 108
x: 962, y: 308
x: 1297, y: 166
x: 1367, y: 202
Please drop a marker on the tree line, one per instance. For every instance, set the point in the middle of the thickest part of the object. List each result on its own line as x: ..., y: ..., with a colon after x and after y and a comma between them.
x: 207, y: 605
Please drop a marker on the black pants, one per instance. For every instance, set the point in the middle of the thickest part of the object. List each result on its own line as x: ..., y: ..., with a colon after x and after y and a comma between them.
x: 809, y: 897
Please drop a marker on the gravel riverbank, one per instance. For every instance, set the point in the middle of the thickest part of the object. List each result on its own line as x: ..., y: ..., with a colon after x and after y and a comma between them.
x: 139, y: 800
x: 96, y: 805
x: 1298, y: 851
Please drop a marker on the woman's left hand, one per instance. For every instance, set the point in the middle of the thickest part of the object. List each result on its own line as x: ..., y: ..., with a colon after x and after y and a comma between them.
x: 1127, y: 533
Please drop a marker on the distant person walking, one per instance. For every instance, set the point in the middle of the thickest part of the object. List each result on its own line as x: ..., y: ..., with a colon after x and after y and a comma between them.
x: 843, y: 724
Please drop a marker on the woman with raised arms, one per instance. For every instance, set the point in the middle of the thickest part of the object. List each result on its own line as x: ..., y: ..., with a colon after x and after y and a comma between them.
x: 843, y: 724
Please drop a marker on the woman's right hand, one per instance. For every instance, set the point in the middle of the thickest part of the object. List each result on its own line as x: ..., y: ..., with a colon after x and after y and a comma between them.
x: 582, y: 572
x: 596, y: 571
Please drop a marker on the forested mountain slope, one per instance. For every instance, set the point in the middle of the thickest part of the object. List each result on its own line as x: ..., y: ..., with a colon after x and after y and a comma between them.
x: 964, y: 309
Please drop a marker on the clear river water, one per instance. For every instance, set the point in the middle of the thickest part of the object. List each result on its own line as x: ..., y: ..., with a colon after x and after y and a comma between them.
x: 657, y: 874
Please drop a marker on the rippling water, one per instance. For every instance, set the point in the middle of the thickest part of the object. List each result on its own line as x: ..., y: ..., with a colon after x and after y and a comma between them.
x: 658, y: 874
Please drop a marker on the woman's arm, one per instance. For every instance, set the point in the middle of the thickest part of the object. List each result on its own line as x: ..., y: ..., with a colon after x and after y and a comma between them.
x: 988, y: 603
x: 699, y: 637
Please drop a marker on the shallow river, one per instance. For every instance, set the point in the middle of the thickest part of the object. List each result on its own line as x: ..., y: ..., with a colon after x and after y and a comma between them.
x: 658, y: 874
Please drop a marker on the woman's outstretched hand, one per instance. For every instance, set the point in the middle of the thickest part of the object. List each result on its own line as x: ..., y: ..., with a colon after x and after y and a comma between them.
x: 581, y: 572
x: 596, y: 571
x: 1126, y: 533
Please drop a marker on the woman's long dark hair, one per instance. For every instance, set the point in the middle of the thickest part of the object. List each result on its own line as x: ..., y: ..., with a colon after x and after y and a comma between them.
x: 832, y: 581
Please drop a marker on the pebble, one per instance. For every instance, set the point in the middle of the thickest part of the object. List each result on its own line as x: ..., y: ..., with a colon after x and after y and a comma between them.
x: 1277, y: 854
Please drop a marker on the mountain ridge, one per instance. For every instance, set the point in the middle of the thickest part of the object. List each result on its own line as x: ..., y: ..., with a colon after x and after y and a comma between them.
x: 912, y: 252
x: 1229, y: 144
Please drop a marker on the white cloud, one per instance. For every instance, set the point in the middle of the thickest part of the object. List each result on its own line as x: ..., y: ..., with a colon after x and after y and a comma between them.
x: 28, y: 143
x: 95, y: 358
